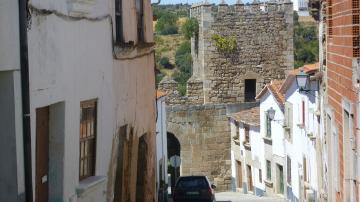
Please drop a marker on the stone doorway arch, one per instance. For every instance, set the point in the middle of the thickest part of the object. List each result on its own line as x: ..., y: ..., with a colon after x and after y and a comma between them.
x: 173, y: 148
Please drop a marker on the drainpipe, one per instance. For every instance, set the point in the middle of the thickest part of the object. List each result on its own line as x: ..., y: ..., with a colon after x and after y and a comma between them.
x: 24, y: 62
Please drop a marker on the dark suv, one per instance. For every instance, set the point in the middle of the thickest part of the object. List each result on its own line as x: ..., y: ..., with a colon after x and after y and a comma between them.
x: 194, y: 188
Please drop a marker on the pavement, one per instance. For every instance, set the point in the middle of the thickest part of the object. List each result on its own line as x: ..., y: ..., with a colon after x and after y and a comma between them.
x: 240, y: 197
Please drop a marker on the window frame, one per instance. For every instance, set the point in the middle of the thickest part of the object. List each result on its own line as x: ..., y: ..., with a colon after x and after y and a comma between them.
x: 89, y: 141
x: 140, y: 26
x: 260, y: 176
x: 288, y: 169
x: 247, y: 133
x: 268, y: 125
x: 119, y: 26
x: 268, y: 170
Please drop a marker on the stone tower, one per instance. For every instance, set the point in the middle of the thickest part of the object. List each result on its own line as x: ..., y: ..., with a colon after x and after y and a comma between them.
x: 264, y: 39
x: 225, y: 83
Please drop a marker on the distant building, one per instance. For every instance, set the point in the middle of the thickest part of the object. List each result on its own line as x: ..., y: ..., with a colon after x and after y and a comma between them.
x: 247, y: 152
x: 88, y: 132
x: 274, y: 147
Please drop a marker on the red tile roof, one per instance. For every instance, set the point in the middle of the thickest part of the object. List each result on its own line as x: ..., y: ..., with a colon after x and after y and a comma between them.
x: 250, y: 116
x: 274, y: 88
x: 311, y: 68
x: 279, y: 87
x: 160, y: 94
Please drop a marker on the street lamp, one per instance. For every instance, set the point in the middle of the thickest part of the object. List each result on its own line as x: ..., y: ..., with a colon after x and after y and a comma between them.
x: 271, y: 113
x: 302, y: 81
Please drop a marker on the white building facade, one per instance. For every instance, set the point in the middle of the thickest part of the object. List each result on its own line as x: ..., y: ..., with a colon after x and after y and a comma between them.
x: 92, y: 100
x: 161, y: 148
x: 247, y: 165
x: 302, y: 128
x: 279, y: 155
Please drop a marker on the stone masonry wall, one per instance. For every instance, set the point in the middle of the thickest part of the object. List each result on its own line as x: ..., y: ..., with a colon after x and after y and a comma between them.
x: 264, y: 35
x: 203, y: 132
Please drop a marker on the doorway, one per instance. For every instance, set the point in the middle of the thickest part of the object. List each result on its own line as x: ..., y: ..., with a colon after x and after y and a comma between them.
x: 250, y: 90
x: 173, y: 147
x: 239, y: 174
x: 42, y: 155
x: 249, y: 176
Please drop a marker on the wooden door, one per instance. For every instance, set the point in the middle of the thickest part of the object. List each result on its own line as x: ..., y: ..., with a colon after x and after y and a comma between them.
x: 249, y: 175
x: 239, y: 174
x: 42, y: 155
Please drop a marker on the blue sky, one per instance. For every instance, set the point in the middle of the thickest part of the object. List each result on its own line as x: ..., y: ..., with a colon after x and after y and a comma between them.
x: 192, y: 1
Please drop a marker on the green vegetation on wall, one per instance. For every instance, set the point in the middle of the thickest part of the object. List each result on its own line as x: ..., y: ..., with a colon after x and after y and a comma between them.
x: 225, y: 44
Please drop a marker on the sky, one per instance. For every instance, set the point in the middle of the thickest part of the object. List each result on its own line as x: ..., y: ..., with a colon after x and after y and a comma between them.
x: 192, y: 1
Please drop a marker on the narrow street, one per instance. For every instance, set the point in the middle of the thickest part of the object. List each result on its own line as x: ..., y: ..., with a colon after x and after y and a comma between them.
x: 240, y: 197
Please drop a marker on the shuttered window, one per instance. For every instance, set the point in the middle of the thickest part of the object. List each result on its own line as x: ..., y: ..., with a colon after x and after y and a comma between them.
x: 87, y: 139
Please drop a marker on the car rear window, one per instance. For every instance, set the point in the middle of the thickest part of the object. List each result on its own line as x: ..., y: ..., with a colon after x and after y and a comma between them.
x: 198, y: 182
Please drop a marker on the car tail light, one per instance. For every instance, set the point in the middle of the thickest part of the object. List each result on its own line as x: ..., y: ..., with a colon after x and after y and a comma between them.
x: 176, y: 194
x: 210, y: 192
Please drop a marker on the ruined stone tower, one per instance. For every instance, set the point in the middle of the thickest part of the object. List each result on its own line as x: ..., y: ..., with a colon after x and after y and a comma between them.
x: 264, y: 37
x: 224, y: 83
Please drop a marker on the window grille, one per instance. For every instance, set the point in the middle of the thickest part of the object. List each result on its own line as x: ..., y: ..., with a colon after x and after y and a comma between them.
x: 87, y: 139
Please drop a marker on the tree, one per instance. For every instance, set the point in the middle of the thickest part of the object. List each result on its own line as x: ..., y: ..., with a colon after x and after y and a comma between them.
x: 306, y: 43
x: 190, y: 28
x: 167, y: 24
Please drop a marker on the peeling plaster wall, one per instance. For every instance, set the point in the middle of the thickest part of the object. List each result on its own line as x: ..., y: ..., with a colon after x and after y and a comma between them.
x: 12, y: 179
x: 71, y: 61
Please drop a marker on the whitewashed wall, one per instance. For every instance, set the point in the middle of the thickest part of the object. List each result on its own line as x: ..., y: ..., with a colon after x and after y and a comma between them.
x: 302, y: 145
x: 277, y: 132
x: 161, y: 140
x: 72, y: 61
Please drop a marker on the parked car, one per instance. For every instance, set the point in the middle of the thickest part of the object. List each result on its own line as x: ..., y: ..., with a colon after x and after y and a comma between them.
x: 194, y: 188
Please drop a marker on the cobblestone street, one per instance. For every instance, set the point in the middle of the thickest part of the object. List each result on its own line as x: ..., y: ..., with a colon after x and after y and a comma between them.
x: 240, y: 197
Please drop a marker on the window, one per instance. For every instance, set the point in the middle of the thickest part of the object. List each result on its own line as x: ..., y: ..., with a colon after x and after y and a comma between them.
x: 288, y: 120
x: 250, y: 90
x: 140, y: 19
x: 260, y: 175
x: 303, y: 113
x: 247, y: 133
x: 305, y: 169
x: 119, y: 22
x: 87, y: 139
x: 268, y: 125
x: 288, y: 167
x: 330, y: 20
x: 268, y: 170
